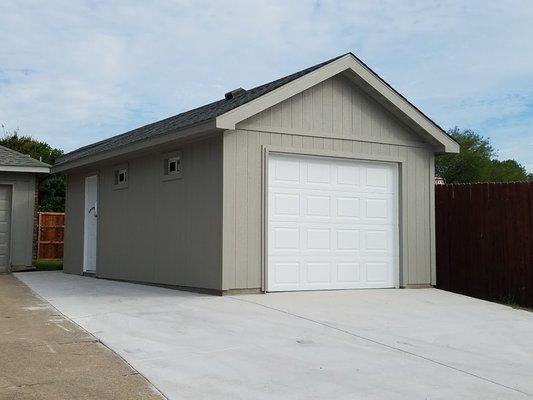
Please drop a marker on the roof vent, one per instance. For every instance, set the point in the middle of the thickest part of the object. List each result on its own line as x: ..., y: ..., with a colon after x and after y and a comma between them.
x: 234, y: 93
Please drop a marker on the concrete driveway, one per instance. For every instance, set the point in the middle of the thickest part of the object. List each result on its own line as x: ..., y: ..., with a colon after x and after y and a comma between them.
x: 371, y: 344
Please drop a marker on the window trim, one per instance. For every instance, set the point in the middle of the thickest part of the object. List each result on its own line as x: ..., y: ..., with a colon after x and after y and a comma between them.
x: 117, y: 170
x: 167, y: 158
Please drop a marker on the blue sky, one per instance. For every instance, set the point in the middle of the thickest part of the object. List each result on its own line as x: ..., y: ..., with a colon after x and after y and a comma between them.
x: 74, y: 72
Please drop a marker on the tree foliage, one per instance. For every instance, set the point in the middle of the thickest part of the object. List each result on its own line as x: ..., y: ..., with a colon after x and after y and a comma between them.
x: 52, y: 187
x: 477, y: 162
x: 28, y: 145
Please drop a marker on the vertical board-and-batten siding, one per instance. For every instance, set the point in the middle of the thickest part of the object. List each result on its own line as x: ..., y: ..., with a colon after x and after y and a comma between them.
x: 74, y: 213
x: 22, y: 187
x: 334, y: 116
x: 155, y: 230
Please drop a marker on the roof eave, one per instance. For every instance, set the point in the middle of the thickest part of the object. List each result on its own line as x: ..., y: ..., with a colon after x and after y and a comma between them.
x: 179, y: 134
x: 25, y: 169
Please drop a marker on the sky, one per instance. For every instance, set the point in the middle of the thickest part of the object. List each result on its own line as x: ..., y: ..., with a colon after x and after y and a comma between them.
x: 75, y: 72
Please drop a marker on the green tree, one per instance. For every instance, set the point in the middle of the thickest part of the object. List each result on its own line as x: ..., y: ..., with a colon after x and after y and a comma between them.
x: 52, y: 193
x: 508, y: 171
x: 476, y: 162
x: 52, y: 187
x: 28, y: 145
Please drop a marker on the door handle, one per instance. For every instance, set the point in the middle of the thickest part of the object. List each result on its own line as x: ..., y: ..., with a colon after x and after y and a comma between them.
x: 93, y: 208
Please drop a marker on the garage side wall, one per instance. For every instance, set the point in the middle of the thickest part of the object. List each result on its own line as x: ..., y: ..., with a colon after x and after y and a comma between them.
x: 22, y: 216
x: 334, y: 117
x: 74, y: 213
x: 164, y: 231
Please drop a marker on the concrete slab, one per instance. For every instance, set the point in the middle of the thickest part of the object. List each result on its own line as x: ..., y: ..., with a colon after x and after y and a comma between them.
x: 43, y: 355
x: 373, y: 344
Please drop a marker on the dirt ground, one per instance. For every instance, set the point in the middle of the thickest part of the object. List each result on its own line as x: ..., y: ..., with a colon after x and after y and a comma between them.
x: 43, y: 355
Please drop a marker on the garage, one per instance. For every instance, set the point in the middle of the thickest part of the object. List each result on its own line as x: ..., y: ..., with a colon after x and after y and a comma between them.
x: 332, y: 223
x: 322, y: 179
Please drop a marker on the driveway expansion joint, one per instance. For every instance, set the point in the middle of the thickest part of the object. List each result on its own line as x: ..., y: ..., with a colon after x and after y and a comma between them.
x: 385, y: 345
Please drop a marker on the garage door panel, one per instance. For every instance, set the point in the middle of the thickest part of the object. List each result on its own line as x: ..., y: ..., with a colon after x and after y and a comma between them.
x: 316, y: 173
x: 317, y: 239
x: 285, y: 171
x: 285, y: 204
x: 317, y: 205
x: 334, y: 226
x: 285, y: 239
x: 378, y: 178
x: 348, y: 272
x: 348, y: 175
x: 318, y: 272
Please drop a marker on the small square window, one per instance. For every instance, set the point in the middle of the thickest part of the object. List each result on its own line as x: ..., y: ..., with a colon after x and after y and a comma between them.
x: 172, y: 165
x: 121, y: 177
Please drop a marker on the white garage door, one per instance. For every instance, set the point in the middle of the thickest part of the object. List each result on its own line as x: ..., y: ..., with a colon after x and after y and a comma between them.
x: 332, y: 223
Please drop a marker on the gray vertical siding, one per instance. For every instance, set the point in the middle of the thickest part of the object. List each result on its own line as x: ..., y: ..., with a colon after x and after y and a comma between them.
x: 332, y: 117
x: 74, y: 213
x: 23, y: 208
x: 164, y: 231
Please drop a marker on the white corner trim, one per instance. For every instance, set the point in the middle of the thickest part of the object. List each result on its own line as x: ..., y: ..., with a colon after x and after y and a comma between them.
x: 230, y: 119
x: 33, y: 170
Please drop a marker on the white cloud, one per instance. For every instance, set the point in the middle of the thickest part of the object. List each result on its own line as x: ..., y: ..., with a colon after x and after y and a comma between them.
x: 76, y: 72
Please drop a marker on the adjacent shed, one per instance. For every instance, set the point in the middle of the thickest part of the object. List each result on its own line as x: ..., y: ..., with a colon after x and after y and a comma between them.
x: 18, y: 194
x: 323, y: 179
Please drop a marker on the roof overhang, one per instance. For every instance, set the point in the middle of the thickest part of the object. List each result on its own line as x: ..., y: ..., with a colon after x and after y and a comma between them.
x: 368, y: 81
x: 27, y: 169
x: 196, y: 131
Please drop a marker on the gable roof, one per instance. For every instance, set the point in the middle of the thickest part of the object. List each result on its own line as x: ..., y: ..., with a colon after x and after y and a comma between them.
x: 185, y: 119
x: 11, y: 160
x: 227, y: 112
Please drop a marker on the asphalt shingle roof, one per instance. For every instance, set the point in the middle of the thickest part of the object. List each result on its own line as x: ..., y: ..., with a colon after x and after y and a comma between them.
x: 185, y: 119
x: 13, y: 158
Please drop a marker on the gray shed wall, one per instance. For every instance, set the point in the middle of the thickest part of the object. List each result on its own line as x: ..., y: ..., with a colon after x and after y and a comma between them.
x: 332, y: 118
x: 22, y: 216
x: 155, y: 230
x: 74, y: 212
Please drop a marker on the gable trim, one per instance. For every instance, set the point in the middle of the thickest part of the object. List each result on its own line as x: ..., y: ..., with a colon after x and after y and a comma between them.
x: 347, y: 63
x: 329, y: 135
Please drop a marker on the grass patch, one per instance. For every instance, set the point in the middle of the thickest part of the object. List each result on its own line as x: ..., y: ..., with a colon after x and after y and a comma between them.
x: 48, y: 265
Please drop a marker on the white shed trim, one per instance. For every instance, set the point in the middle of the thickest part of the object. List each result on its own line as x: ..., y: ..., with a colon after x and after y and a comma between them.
x: 349, y: 65
x: 16, y: 168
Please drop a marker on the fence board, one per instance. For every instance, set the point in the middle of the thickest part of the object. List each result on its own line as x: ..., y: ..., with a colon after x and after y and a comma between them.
x: 484, y: 238
x: 51, y: 235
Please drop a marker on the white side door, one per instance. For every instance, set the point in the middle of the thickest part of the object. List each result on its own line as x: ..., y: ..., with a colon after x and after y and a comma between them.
x: 90, y: 223
x: 332, y: 223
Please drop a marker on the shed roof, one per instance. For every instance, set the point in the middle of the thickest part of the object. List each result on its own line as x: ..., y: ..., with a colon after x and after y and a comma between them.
x: 213, y: 111
x: 11, y: 160
x: 185, y: 119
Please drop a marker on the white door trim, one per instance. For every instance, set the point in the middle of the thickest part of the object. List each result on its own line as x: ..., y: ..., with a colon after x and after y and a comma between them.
x: 90, y: 207
x: 401, y: 211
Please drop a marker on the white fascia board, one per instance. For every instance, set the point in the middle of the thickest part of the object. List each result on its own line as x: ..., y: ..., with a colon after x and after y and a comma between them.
x: 230, y: 119
x: 31, y: 170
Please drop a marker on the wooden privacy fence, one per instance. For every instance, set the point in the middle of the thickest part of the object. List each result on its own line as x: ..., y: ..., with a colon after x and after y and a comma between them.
x: 484, y: 240
x: 51, y: 234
